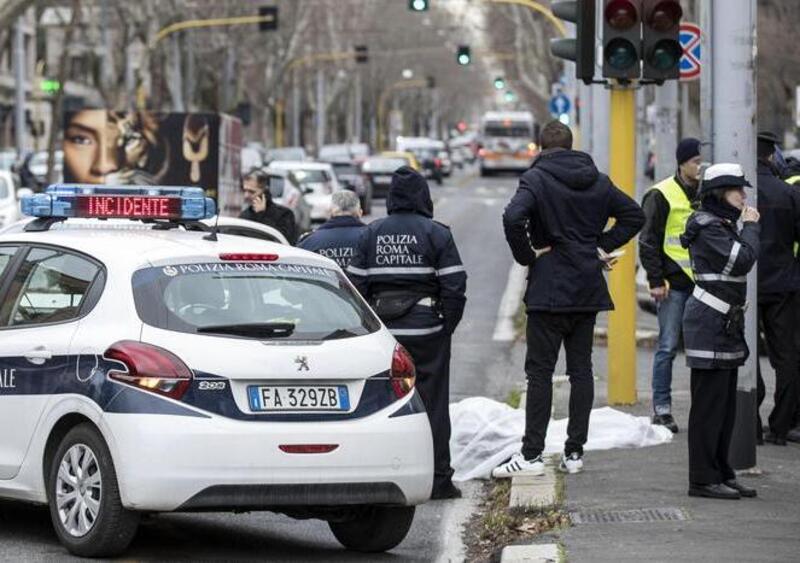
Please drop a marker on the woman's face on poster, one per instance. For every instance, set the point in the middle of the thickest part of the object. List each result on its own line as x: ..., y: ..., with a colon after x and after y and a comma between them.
x: 90, y: 146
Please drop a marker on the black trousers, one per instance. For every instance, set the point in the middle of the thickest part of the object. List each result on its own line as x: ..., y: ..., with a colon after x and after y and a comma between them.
x: 780, y: 321
x: 432, y: 359
x: 545, y: 334
x: 711, y: 419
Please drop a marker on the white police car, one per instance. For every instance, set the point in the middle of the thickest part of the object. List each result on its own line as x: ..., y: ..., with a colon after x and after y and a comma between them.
x: 146, y: 367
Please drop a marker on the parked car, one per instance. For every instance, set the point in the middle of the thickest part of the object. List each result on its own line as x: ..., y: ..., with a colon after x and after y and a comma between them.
x: 427, y: 152
x: 317, y: 181
x: 9, y: 206
x: 354, y: 152
x: 349, y: 175
x: 244, y: 228
x: 285, y: 153
x: 378, y: 170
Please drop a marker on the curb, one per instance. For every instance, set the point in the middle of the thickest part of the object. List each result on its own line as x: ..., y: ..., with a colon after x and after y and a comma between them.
x: 539, y: 553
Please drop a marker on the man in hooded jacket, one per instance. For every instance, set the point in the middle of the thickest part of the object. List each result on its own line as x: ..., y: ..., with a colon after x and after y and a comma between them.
x: 408, y: 267
x: 555, y: 224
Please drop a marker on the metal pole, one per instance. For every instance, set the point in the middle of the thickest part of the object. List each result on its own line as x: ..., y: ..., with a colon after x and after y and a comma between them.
x: 600, y: 126
x: 586, y: 118
x: 320, y: 108
x: 19, y: 87
x: 177, y: 75
x: 279, y: 123
x: 706, y: 76
x: 296, y: 109
x: 229, y: 82
x: 685, y: 111
x: 733, y: 36
x: 666, y: 128
x: 359, y: 115
x: 622, y: 321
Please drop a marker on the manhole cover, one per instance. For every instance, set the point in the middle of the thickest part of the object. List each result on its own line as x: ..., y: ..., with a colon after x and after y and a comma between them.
x: 669, y: 514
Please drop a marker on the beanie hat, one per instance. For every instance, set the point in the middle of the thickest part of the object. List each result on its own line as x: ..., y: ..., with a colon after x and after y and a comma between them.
x: 687, y: 149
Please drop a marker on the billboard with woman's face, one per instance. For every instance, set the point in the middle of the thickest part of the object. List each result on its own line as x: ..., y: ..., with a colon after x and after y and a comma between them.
x: 145, y: 148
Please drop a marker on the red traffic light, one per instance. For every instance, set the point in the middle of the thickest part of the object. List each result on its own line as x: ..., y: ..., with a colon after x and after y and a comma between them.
x: 664, y: 15
x: 622, y: 14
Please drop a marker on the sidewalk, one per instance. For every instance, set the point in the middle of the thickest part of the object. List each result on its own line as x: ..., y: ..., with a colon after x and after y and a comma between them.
x: 763, y: 529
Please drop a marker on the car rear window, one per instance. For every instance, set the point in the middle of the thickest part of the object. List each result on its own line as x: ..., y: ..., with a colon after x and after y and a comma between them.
x: 259, y: 300
x: 384, y: 164
x: 311, y: 176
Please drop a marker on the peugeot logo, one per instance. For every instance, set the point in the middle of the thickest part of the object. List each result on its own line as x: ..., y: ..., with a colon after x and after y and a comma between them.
x: 302, y: 363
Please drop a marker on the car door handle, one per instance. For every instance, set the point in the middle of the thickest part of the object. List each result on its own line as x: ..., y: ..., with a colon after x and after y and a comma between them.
x: 38, y: 355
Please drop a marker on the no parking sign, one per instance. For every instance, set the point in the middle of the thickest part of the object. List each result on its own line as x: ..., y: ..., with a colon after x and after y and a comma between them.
x: 689, y: 37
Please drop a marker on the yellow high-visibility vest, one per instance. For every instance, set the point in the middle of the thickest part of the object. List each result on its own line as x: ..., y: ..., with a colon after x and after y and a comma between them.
x: 680, y: 208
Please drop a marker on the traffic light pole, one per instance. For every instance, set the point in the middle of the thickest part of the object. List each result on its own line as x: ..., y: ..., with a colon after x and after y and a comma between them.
x: 733, y: 139
x: 622, y: 320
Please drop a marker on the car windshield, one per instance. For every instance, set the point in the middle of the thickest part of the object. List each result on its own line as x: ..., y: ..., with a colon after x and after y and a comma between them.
x: 345, y: 169
x: 384, y: 164
x: 259, y: 300
x: 290, y: 153
x: 512, y: 130
x: 311, y: 176
x: 276, y: 186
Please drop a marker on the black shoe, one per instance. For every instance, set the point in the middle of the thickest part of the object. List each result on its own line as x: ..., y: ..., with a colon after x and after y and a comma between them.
x: 667, y: 421
x: 743, y: 491
x: 773, y: 439
x: 447, y: 491
x: 793, y: 435
x: 719, y: 491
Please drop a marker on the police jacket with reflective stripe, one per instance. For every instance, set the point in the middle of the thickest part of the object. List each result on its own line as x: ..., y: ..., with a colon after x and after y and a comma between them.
x: 565, y: 203
x: 337, y: 239
x: 779, y: 206
x: 652, y: 253
x: 721, y: 258
x: 410, y: 252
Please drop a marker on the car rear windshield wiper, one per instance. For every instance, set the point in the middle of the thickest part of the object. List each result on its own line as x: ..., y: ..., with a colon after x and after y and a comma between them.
x: 261, y: 330
x: 340, y: 333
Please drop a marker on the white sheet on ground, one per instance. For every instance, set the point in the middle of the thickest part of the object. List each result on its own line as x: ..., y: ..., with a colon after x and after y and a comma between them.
x: 486, y: 433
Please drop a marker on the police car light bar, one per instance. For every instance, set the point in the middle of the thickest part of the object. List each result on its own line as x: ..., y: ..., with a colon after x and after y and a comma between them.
x: 172, y: 203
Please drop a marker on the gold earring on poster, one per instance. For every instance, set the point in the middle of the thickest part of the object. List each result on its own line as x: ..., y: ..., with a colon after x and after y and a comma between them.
x: 195, y: 144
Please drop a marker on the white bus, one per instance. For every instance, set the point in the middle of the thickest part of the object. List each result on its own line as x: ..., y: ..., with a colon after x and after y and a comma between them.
x: 507, y: 139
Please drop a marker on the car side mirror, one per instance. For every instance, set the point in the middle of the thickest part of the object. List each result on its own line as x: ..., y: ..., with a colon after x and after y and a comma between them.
x: 307, y: 190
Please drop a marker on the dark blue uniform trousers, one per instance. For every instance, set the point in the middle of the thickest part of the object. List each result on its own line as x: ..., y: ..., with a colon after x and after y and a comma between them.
x: 711, y: 420
x: 431, y: 355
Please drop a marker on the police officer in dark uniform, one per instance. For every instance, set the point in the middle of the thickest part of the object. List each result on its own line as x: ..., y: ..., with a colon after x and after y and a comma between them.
x: 408, y: 267
x: 713, y: 325
x: 338, y: 237
x: 778, y: 288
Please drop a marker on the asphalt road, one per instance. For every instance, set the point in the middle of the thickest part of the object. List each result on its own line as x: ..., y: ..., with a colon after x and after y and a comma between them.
x: 472, y: 207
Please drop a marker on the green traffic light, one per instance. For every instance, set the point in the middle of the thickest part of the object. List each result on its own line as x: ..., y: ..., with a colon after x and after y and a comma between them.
x: 499, y: 83
x: 621, y: 54
x: 665, y: 55
x: 510, y: 97
x: 418, y: 5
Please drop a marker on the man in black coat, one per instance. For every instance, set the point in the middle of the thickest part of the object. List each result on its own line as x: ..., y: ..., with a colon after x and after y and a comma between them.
x: 778, y: 289
x: 555, y: 225
x: 338, y: 237
x: 408, y: 267
x: 261, y: 208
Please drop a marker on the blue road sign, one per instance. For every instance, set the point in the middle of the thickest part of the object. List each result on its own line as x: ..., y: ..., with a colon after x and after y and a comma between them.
x: 559, y: 105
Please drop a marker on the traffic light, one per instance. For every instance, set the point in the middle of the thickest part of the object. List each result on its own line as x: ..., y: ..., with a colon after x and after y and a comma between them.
x: 430, y: 81
x: 418, y: 5
x: 499, y: 83
x: 622, y: 38
x: 362, y: 53
x: 272, y: 12
x: 661, y: 48
x: 464, y: 55
x: 580, y: 48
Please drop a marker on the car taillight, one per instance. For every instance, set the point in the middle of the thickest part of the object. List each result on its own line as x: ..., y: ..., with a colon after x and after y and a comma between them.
x: 248, y: 257
x: 403, y: 373
x: 481, y: 152
x: 150, y: 368
x: 437, y: 162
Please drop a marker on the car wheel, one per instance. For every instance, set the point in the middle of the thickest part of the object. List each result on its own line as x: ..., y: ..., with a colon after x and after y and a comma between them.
x: 83, y: 494
x: 375, y: 529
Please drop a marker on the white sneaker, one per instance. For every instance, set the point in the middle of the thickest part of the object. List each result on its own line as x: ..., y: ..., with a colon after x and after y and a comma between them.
x: 571, y: 464
x: 518, y: 465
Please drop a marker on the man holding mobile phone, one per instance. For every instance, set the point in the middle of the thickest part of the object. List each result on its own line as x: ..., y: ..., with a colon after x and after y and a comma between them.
x: 261, y: 208
x: 555, y: 224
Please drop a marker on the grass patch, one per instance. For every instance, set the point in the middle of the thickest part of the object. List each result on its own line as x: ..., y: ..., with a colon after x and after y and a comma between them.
x: 514, y: 398
x: 495, y: 525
